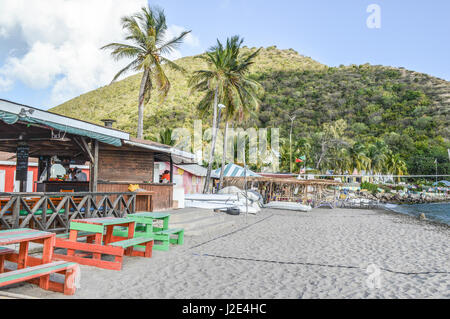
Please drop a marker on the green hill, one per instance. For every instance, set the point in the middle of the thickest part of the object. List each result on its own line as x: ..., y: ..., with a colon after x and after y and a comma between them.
x: 409, y: 111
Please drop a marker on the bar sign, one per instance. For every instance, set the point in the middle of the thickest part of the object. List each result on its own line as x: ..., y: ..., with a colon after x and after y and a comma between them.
x: 22, y: 161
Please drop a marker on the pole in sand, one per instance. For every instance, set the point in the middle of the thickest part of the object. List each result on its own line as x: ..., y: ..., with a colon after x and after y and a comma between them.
x: 246, y: 193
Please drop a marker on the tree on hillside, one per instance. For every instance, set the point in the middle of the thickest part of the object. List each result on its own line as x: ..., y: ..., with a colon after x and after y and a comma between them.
x: 226, y: 81
x: 166, y: 137
x: 396, y: 165
x: 147, y: 31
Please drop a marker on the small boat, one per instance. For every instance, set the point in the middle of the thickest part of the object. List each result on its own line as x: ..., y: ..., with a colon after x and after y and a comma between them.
x: 288, y: 206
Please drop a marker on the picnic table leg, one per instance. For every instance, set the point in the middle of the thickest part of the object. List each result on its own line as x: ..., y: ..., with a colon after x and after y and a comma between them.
x: 98, y: 241
x: 109, y: 234
x: 2, y: 264
x: 23, y: 255
x: 148, y: 249
x: 47, y: 255
x: 131, y: 226
x: 166, y: 223
x: 72, y: 237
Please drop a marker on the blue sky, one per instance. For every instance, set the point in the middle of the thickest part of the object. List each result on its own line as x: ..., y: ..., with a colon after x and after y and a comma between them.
x: 413, y: 34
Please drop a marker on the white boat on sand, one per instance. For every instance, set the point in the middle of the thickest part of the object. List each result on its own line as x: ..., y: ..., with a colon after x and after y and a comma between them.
x: 288, y: 206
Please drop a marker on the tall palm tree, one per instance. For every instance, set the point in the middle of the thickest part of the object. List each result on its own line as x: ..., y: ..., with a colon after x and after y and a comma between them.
x: 226, y: 81
x: 147, y: 31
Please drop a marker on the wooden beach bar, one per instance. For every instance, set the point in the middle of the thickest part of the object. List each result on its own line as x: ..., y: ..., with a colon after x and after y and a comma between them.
x: 115, y: 160
x: 315, y: 192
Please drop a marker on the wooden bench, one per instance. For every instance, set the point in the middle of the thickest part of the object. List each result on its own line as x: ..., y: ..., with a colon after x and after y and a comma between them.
x: 32, y: 274
x: 80, y: 235
x: 130, y: 244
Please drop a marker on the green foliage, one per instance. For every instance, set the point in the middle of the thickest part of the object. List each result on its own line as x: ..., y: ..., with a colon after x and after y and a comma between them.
x: 370, y: 187
x: 392, y: 114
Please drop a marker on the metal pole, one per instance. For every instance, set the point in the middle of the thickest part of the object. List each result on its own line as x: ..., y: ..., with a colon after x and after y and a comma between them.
x: 436, y: 170
x: 246, y: 193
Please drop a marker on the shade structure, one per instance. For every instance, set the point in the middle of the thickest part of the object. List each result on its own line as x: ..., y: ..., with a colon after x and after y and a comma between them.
x: 233, y: 170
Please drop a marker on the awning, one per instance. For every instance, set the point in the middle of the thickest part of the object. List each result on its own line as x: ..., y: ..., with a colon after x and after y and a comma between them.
x: 233, y: 170
x: 12, y: 113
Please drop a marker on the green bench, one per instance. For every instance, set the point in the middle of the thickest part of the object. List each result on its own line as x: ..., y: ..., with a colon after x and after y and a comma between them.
x: 130, y: 244
x: 32, y: 274
x: 166, y: 237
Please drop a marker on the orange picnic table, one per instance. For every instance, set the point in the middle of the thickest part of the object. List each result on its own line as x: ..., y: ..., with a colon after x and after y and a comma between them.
x: 32, y: 269
x: 100, y: 240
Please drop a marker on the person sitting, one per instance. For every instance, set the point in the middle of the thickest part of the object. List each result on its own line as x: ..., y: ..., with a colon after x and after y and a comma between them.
x: 166, y: 177
x: 80, y: 176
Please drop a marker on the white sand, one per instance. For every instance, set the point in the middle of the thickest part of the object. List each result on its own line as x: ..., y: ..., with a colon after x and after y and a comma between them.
x: 343, y: 237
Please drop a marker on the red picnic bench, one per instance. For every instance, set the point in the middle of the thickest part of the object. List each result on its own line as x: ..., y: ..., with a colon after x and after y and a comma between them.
x: 32, y: 269
x: 100, y: 240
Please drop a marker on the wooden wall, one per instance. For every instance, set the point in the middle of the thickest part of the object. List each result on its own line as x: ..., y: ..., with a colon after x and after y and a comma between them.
x: 116, y: 166
x: 162, y: 200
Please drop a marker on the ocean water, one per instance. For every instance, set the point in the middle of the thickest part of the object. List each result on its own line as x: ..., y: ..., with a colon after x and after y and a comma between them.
x: 436, y: 212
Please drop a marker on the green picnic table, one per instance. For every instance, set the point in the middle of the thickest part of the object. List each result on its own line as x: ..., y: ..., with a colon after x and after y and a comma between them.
x: 145, y: 228
x: 146, y: 216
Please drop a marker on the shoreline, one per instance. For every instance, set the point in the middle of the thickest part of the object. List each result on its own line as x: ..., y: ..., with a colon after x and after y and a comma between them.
x: 411, y: 218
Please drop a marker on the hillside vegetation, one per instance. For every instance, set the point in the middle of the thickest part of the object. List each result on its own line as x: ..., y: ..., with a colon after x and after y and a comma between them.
x: 406, y: 112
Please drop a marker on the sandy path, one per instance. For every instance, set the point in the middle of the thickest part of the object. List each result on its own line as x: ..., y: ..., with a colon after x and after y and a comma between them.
x: 330, y: 252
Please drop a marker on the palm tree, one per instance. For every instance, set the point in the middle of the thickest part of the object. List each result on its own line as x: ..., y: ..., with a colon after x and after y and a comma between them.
x: 359, y: 158
x: 165, y: 137
x: 396, y: 165
x: 377, y: 152
x: 147, y: 31
x: 225, y: 81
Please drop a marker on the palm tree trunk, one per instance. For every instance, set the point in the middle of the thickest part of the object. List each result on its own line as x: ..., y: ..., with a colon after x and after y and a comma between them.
x: 224, y: 156
x: 140, y: 130
x: 213, y: 144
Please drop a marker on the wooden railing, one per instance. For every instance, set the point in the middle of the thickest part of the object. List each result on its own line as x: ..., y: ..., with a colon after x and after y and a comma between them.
x: 54, y: 211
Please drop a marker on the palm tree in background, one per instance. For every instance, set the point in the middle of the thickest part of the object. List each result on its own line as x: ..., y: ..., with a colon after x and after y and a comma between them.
x: 359, y: 158
x: 396, y: 165
x: 226, y: 81
x: 165, y: 137
x: 147, y: 31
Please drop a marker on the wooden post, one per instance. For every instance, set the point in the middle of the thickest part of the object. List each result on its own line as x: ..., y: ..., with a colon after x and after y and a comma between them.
x: 49, y: 163
x: 171, y: 170
x: 95, y: 179
x: 93, y: 183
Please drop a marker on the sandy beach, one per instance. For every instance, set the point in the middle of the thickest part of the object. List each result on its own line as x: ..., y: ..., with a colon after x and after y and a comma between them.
x: 281, y: 254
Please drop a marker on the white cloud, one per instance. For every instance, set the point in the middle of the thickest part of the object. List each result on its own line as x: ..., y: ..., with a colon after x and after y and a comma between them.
x: 63, y: 39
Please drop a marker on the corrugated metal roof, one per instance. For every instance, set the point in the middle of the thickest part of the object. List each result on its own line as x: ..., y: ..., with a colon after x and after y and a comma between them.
x: 195, y: 170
